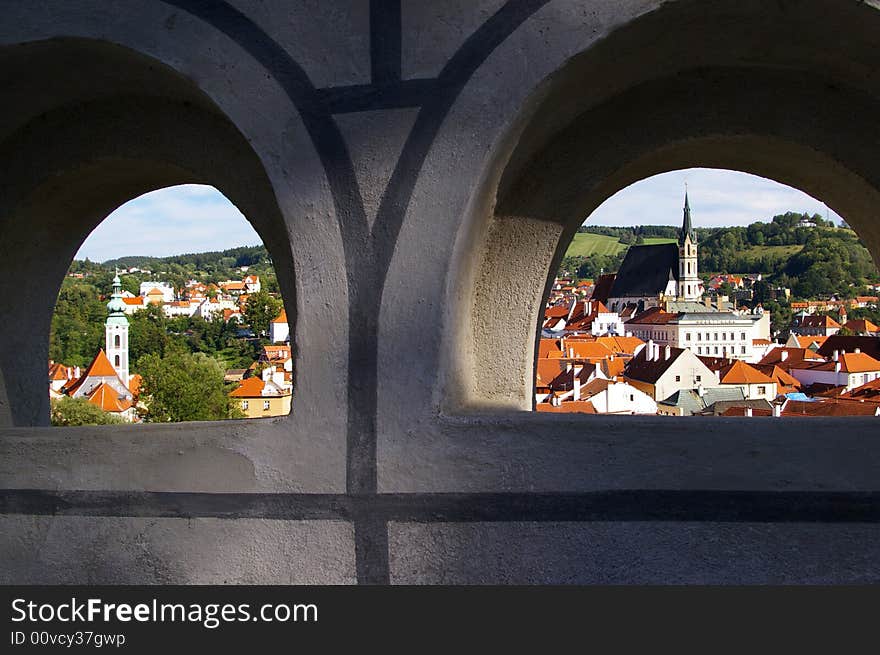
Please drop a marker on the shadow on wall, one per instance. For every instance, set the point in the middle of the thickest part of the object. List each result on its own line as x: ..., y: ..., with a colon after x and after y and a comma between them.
x: 85, y: 144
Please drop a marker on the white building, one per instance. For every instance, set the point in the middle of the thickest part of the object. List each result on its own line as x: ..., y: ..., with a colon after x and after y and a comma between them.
x: 848, y: 370
x: 166, y: 289
x: 279, y: 330
x: 661, y: 371
x: 709, y: 334
x: 618, y: 398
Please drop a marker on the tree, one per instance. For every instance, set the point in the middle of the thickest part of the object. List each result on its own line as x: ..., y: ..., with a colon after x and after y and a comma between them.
x: 184, y: 387
x: 69, y: 411
x: 260, y: 310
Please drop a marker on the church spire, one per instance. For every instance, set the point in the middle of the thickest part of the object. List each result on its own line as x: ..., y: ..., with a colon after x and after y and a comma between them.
x: 686, y: 228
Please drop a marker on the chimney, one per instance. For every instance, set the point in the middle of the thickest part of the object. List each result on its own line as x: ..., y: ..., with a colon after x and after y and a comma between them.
x: 783, y: 355
x: 577, y: 383
x: 748, y: 411
x: 837, y: 367
x: 667, y: 353
x: 836, y: 355
x: 571, y: 353
x: 777, y: 409
x: 858, y: 351
x: 649, y: 351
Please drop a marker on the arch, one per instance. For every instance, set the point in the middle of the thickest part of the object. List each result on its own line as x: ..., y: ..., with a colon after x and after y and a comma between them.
x: 801, y: 112
x: 84, y: 144
x: 116, y: 341
x: 116, y: 360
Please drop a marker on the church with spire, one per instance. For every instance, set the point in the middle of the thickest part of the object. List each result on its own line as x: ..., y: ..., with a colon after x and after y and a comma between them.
x: 106, y: 382
x: 656, y: 275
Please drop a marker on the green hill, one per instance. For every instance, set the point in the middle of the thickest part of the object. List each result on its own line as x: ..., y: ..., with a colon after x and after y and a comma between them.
x: 586, y: 244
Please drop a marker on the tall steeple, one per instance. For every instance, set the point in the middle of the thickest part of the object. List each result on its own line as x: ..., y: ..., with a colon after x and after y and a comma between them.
x: 686, y: 228
x: 690, y: 286
x: 116, y: 331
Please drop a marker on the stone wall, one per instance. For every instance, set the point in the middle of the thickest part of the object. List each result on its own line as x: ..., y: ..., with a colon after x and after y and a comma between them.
x: 415, y: 169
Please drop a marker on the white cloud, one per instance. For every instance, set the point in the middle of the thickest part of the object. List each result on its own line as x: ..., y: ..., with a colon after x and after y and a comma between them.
x: 717, y: 198
x: 197, y: 218
x: 175, y: 220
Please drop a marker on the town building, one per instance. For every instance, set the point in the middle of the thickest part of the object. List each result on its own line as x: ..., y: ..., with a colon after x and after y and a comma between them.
x: 156, y: 292
x: 849, y: 370
x: 279, y: 330
x: 106, y: 381
x: 661, y: 371
x: 712, y: 334
x: 651, y: 273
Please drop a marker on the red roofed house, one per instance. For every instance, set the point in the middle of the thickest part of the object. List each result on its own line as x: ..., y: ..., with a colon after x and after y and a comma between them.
x: 259, y: 398
x: 279, y: 330
x: 848, y: 370
x: 755, y: 385
x: 862, y: 327
x: 818, y: 325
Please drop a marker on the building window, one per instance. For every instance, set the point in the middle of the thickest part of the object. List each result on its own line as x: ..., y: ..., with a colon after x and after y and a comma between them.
x: 266, y: 404
x: 699, y: 350
x: 716, y: 350
x: 742, y: 336
x: 716, y: 339
x: 678, y: 378
x: 724, y: 336
x: 687, y: 336
x: 116, y: 359
x: 244, y: 404
x: 699, y: 378
x: 742, y: 350
x: 116, y: 341
x: 631, y: 398
x: 762, y: 391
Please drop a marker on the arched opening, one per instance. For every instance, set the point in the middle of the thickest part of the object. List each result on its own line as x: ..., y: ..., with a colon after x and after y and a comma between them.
x: 176, y: 289
x: 802, y: 113
x: 83, y: 145
x: 680, y: 304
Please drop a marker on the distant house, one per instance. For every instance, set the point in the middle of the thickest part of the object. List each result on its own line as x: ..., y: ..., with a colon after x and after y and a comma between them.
x: 279, y: 330
x: 848, y: 370
x: 258, y: 398
x: 862, y: 327
x: 754, y: 384
x: 691, y: 402
x: 252, y: 283
x: 811, y: 324
x: 660, y: 372
x: 156, y: 292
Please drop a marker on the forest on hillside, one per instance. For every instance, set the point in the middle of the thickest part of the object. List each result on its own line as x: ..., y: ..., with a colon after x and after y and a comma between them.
x: 813, y: 262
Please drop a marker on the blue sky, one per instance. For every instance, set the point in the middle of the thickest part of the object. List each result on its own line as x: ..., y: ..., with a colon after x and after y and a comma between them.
x: 718, y: 198
x: 197, y: 218
x: 171, y: 221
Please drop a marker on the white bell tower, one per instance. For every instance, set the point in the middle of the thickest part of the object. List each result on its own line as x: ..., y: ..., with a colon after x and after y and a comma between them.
x: 116, y: 332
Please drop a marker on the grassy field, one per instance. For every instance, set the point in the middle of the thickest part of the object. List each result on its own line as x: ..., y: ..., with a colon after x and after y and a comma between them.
x: 585, y: 244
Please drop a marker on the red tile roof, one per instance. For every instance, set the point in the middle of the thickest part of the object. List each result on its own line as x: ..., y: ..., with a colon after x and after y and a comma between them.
x: 107, y: 398
x: 652, y: 316
x: 741, y: 373
x: 100, y: 367
x: 578, y: 406
x: 849, y: 363
x: 248, y: 388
